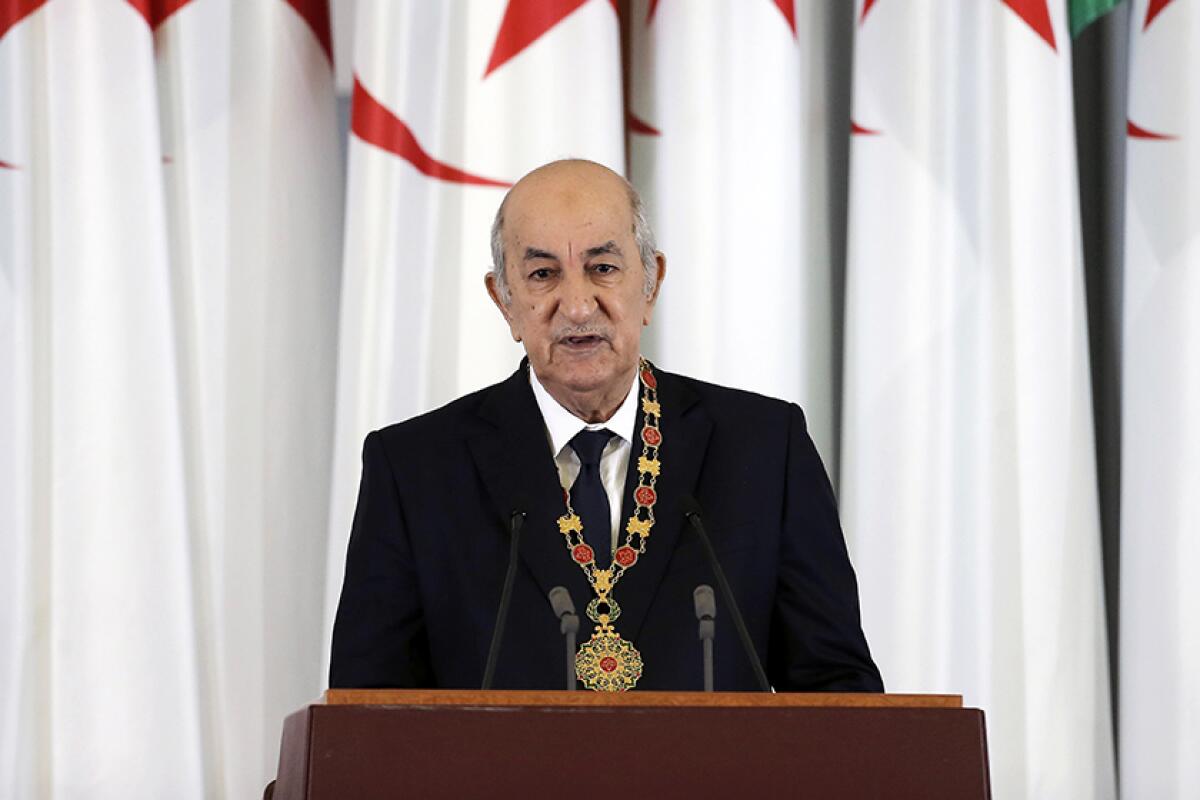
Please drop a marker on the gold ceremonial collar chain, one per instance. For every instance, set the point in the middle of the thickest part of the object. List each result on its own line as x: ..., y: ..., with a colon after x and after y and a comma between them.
x: 606, y: 662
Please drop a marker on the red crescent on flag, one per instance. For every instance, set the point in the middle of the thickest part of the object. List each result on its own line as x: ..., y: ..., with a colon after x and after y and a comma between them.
x: 1037, y: 15
x: 786, y: 7
x: 1154, y: 9
x: 641, y: 126
x: 859, y: 130
x: 866, y: 10
x: 524, y: 22
x: 6, y: 165
x: 1135, y: 131
x: 13, y: 11
x: 372, y: 122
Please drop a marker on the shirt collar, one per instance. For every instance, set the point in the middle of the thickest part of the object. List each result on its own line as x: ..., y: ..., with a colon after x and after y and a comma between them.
x: 562, y: 425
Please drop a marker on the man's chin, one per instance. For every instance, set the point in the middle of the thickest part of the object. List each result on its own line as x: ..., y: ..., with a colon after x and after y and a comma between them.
x: 590, y: 377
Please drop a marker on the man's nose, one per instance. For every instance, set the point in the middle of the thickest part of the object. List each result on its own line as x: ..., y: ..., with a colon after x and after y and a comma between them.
x: 578, y: 301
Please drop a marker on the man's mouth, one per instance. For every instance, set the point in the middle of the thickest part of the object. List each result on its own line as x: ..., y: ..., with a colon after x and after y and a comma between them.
x: 582, y: 342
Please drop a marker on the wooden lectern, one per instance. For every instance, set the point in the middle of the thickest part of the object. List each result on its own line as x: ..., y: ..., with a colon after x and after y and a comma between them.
x: 407, y: 743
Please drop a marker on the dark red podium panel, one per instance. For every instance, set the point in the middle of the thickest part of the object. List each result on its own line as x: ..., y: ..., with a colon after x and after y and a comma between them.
x: 582, y: 745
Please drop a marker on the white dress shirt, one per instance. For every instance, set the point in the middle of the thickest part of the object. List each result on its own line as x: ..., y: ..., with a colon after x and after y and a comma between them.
x: 561, y: 427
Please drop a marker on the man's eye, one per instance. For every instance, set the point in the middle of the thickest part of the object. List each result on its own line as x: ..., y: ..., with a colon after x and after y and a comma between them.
x: 540, y: 274
x: 605, y: 269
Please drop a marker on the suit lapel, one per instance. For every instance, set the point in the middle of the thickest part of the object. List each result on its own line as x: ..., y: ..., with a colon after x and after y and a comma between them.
x: 515, y: 464
x: 685, y: 429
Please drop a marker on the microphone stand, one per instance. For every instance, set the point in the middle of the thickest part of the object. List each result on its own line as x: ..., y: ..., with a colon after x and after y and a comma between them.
x: 516, y: 522
x: 564, y: 609
x: 706, y: 612
x: 691, y: 510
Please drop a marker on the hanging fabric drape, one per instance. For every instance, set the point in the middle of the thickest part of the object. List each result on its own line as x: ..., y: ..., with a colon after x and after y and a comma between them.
x: 1160, y: 459
x: 99, y: 602
x: 169, y: 328
x: 739, y: 88
x: 968, y: 485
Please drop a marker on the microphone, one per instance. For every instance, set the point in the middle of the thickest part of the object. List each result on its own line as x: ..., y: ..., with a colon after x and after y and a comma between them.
x: 706, y: 612
x: 691, y: 510
x: 564, y: 609
x: 515, y: 523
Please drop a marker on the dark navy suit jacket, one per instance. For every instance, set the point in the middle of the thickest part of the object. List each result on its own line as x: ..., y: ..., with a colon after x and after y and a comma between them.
x: 429, y: 549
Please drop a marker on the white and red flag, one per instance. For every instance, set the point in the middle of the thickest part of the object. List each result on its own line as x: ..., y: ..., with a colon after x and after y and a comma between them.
x: 170, y: 238
x: 728, y: 141
x: 453, y: 101
x: 254, y: 188
x: 968, y: 484
x: 98, y: 660
x: 1160, y: 451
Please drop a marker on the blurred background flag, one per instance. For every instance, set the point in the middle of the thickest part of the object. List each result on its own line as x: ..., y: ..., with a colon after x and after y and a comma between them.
x: 738, y: 86
x: 968, y: 485
x: 97, y: 605
x: 1084, y: 12
x: 171, y: 235
x: 252, y: 168
x: 1160, y: 505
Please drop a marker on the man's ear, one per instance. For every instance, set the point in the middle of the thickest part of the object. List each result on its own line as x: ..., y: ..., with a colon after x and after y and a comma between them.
x: 493, y: 290
x: 661, y: 274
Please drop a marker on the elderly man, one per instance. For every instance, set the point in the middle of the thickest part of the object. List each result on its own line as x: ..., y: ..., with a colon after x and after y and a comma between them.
x: 597, y: 451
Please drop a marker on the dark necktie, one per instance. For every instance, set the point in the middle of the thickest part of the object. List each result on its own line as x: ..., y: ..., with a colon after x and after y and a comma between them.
x: 588, y: 497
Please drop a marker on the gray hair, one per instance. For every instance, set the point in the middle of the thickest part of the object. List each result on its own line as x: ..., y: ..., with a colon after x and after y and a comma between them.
x: 643, y: 236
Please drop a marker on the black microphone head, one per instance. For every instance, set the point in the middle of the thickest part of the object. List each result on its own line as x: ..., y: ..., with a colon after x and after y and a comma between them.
x: 690, y: 506
x: 560, y: 601
x: 516, y: 520
x: 706, y: 602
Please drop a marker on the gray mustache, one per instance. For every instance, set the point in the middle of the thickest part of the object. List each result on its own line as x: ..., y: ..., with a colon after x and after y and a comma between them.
x: 567, y: 333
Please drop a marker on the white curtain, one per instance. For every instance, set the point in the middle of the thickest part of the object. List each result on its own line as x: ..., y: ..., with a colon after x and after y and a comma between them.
x: 739, y: 87
x: 171, y: 239
x: 968, y: 485
x: 1160, y: 460
x: 99, y: 654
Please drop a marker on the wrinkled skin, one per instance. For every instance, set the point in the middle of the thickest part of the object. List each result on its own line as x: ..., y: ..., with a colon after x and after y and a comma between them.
x: 578, y: 298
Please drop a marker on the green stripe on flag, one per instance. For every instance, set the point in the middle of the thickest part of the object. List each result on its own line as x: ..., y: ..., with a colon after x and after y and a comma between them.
x: 1085, y: 12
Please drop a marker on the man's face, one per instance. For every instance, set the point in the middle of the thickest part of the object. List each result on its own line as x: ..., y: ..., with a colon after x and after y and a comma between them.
x: 577, y: 286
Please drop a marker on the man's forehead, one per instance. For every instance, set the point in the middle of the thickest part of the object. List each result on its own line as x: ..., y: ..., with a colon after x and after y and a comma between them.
x: 587, y: 221
x: 568, y: 187
x: 556, y: 218
x: 581, y: 202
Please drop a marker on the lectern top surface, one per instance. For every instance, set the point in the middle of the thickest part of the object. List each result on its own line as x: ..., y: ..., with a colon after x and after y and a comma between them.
x: 463, y: 697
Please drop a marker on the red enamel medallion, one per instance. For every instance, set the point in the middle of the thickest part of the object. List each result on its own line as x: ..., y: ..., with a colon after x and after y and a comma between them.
x: 582, y: 553
x: 645, y: 496
x: 651, y: 436
x: 625, y: 556
x: 608, y: 664
x: 648, y: 379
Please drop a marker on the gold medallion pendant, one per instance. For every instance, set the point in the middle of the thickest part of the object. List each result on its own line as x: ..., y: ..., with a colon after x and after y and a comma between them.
x: 608, y: 663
